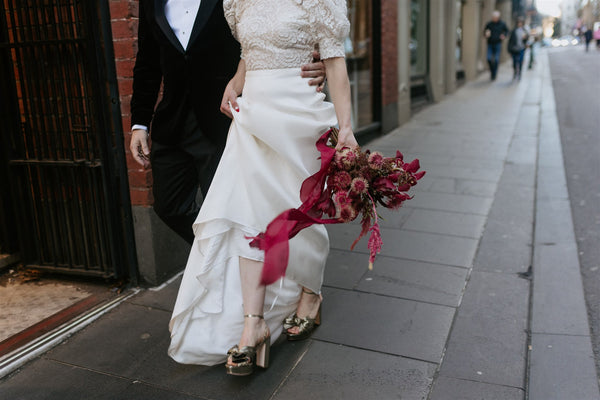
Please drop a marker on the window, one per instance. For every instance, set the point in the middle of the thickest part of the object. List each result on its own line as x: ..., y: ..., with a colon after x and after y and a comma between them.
x: 359, y: 55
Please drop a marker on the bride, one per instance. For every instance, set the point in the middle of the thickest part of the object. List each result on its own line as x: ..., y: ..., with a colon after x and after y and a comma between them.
x: 270, y: 151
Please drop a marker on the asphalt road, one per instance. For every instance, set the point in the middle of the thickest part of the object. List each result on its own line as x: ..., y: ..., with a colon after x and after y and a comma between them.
x: 576, y: 80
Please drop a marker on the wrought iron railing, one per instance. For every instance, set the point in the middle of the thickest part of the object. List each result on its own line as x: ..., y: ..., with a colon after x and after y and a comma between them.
x: 59, y: 137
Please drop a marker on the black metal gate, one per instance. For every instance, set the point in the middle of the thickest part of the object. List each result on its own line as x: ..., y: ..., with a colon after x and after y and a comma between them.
x: 61, y: 139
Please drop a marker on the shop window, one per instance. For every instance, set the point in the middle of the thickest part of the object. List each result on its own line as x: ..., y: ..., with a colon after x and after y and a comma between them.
x: 359, y: 55
x: 418, y: 38
x: 460, y: 73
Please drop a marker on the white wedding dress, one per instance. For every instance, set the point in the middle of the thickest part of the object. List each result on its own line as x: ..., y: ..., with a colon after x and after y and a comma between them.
x: 270, y: 151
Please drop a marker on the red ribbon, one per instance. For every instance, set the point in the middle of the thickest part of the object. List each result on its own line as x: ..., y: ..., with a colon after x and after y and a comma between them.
x: 275, y: 240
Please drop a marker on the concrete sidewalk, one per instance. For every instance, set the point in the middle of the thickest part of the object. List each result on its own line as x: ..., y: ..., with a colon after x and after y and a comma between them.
x: 444, y: 315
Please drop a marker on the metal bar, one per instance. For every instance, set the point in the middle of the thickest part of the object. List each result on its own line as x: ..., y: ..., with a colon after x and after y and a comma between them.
x: 70, y: 178
x: 59, y: 163
x: 103, y: 138
x: 80, y: 270
x: 81, y: 215
x: 126, y: 220
x: 70, y: 109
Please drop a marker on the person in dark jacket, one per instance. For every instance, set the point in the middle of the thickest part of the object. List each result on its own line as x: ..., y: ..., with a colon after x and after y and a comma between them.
x: 588, y: 36
x: 495, y: 31
x: 188, y: 47
x: 517, y: 43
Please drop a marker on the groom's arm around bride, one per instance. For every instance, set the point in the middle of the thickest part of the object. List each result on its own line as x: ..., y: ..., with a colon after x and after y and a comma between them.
x: 189, y: 49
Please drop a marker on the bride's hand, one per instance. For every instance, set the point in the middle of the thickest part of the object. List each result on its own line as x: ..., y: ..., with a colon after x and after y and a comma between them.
x: 230, y: 97
x: 346, y: 139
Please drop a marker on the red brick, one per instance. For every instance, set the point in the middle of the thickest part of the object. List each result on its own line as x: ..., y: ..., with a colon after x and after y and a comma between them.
x: 120, y: 9
x: 141, y: 197
x: 124, y: 29
x: 125, y: 105
x: 124, y: 68
x: 125, y: 87
x: 125, y: 49
x: 126, y: 124
x: 140, y: 179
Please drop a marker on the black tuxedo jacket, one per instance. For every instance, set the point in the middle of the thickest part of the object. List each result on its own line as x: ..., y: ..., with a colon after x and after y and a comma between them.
x: 193, y: 79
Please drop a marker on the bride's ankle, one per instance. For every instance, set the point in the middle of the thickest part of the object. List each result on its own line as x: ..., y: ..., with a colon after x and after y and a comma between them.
x: 254, y: 330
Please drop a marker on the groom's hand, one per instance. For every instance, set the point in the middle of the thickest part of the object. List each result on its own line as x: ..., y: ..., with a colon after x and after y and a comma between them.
x: 316, y: 71
x: 139, y: 147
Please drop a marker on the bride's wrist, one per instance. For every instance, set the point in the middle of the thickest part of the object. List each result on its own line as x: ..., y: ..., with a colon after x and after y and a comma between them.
x: 346, y: 130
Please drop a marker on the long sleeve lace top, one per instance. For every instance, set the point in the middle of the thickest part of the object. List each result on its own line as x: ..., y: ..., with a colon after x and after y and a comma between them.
x: 278, y: 34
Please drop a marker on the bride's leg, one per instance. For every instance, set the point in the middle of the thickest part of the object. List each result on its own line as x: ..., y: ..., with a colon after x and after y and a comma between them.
x: 308, y: 307
x: 253, y: 295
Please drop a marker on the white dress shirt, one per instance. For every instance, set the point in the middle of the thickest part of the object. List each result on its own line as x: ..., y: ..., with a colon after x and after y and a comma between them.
x: 181, y: 15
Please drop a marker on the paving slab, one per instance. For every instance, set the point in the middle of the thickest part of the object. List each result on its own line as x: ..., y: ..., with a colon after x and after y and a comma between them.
x: 529, y: 120
x: 393, y: 218
x: 163, y: 299
x: 118, y: 343
x: 459, y: 186
x: 554, y: 222
x: 419, y: 246
x: 517, y: 175
x: 460, y: 389
x: 344, y: 269
x: 451, y: 202
x: 432, y: 283
x: 488, y: 339
x: 385, y: 324
x: 558, y: 303
x: 515, y: 207
x: 447, y: 223
x: 562, y: 367
x: 503, y: 252
x: 212, y: 382
x: 51, y: 380
x: 479, y: 173
x: 523, y: 150
x: 551, y: 184
x: 333, y: 372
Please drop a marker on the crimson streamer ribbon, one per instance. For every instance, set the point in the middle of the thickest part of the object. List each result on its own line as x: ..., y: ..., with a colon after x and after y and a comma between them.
x: 275, y: 240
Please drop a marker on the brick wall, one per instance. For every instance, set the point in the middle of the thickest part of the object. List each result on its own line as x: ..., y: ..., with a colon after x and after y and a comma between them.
x: 389, y: 51
x: 124, y: 21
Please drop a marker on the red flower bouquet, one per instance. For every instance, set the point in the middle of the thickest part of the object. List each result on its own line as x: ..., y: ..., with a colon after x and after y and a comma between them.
x: 350, y: 183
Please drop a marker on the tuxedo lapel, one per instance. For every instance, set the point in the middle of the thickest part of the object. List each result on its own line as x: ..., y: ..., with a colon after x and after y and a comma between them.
x: 204, y: 13
x: 161, y: 20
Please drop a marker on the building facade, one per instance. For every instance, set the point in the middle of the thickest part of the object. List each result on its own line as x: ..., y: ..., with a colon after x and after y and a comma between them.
x: 401, y: 55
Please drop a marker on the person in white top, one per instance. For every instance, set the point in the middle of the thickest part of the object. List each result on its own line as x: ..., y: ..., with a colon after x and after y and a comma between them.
x: 270, y: 150
x: 186, y: 46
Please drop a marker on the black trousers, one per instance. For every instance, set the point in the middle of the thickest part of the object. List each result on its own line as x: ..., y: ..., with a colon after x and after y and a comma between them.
x: 178, y: 170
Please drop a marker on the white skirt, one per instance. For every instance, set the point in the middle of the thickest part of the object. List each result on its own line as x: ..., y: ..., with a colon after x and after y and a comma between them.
x: 270, y: 151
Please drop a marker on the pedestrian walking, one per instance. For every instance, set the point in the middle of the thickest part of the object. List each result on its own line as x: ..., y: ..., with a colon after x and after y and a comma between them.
x: 495, y: 31
x: 532, y: 45
x: 517, y: 43
x: 587, y: 35
x: 597, y: 35
x: 270, y: 151
x: 188, y: 47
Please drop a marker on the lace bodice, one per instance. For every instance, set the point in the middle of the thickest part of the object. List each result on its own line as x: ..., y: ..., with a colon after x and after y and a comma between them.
x: 278, y: 34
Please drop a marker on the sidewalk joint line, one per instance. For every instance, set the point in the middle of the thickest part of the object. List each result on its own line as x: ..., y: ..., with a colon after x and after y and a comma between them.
x: 292, y: 369
x: 390, y: 296
x: 374, y: 351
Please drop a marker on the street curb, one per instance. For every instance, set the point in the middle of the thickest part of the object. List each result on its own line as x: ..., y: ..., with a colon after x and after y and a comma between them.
x: 561, y: 362
x: 16, y: 359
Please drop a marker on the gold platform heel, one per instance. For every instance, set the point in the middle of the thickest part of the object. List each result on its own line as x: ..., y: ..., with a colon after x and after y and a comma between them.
x: 306, y: 325
x: 245, y: 359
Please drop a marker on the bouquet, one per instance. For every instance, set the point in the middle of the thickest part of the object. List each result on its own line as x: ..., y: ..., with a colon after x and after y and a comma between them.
x: 350, y: 183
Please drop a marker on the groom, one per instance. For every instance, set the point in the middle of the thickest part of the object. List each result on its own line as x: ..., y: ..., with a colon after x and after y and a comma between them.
x: 188, y: 47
